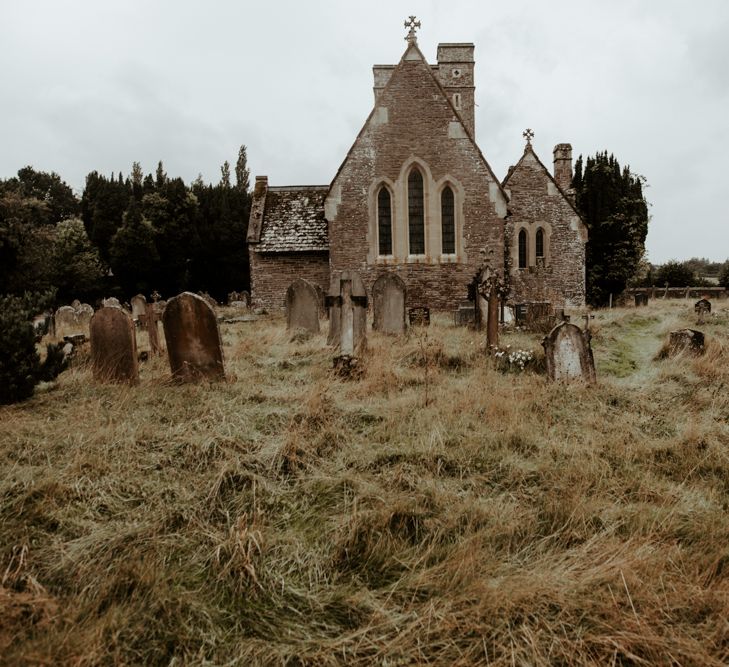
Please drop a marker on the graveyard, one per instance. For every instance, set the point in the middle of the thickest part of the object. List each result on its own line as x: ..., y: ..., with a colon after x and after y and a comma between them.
x: 441, y: 505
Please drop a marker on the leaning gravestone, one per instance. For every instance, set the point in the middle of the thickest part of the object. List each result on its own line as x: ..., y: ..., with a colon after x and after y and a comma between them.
x: 193, y: 339
x: 113, y: 346
x: 568, y: 353
x: 302, y: 306
x: 139, y: 306
x: 348, y: 318
x: 388, y: 304
x: 689, y: 341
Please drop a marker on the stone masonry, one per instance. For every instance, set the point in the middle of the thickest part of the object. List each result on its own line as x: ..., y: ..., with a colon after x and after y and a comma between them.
x: 422, y: 126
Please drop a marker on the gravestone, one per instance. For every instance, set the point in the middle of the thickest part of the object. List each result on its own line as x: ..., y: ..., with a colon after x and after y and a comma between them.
x: 465, y: 315
x: 569, y: 354
x: 113, y: 346
x: 149, y: 320
x: 331, y: 302
x: 641, y: 299
x: 702, y: 308
x: 139, y: 306
x: 84, y: 313
x: 65, y: 320
x: 419, y: 316
x: 348, y: 317
x: 302, y: 306
x: 193, y: 339
x: 111, y: 301
x: 388, y: 304
x: 687, y: 341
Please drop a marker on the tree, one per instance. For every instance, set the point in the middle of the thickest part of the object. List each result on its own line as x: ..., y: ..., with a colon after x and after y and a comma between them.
x: 242, y: 173
x: 77, y: 269
x: 676, y: 274
x: 133, y: 252
x: 225, y: 175
x: 724, y: 275
x: 615, y: 211
x: 20, y: 366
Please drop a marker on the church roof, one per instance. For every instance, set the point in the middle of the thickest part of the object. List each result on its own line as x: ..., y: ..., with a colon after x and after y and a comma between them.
x: 293, y: 219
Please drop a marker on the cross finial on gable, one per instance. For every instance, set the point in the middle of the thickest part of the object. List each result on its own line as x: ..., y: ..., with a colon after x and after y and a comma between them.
x: 528, y: 134
x: 413, y: 24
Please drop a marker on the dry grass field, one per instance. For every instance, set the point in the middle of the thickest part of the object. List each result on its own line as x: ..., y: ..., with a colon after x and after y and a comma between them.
x: 288, y: 517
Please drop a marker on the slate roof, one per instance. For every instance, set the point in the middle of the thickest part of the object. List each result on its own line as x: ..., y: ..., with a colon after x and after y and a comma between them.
x: 293, y: 219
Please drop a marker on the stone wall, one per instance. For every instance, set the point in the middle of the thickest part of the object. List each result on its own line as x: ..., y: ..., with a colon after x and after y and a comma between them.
x: 272, y: 273
x: 536, y: 202
x: 413, y: 123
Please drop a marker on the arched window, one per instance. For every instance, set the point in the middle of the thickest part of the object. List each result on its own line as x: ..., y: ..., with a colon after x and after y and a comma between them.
x: 448, y: 221
x: 539, y: 243
x: 384, y: 222
x: 416, y: 217
x: 522, y: 249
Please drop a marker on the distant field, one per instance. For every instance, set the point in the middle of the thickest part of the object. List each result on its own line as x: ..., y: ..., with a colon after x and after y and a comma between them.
x: 290, y: 517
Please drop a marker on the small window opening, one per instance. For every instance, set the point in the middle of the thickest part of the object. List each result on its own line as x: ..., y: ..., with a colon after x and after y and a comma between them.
x: 384, y: 222
x: 522, y: 249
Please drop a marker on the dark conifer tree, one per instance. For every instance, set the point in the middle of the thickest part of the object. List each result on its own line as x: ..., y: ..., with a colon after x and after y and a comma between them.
x: 615, y: 211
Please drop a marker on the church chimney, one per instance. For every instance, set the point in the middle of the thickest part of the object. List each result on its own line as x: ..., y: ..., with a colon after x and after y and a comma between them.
x: 563, y: 166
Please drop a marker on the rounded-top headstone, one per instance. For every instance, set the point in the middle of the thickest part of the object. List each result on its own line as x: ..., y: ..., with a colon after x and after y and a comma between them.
x: 568, y: 354
x: 113, y: 346
x: 139, y: 305
x: 193, y: 339
x: 302, y: 306
x: 388, y: 304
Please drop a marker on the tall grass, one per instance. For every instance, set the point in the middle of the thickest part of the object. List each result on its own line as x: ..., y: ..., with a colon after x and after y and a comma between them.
x: 288, y: 516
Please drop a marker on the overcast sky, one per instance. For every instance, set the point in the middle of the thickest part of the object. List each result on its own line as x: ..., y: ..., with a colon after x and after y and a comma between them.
x: 97, y: 85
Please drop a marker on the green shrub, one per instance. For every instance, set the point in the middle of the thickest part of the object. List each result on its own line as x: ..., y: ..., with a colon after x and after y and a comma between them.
x: 20, y: 367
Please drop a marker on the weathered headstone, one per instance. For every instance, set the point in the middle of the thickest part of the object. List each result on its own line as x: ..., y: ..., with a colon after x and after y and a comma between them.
x: 465, y: 315
x: 84, y: 313
x: 388, y: 304
x: 149, y: 320
x: 193, y: 339
x: 348, y: 308
x: 139, y: 306
x: 65, y: 320
x: 641, y: 299
x: 113, y: 346
x: 702, y: 308
x: 569, y: 354
x: 75, y: 304
x: 302, y: 306
x: 209, y: 300
x: 111, y: 301
x: 689, y: 341
x: 333, y: 309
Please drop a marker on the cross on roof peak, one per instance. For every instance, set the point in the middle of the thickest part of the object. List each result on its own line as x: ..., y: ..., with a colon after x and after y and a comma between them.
x: 528, y: 134
x: 413, y: 24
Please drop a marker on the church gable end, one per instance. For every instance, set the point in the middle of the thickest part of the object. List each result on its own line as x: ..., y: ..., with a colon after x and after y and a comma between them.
x: 545, y: 236
x: 446, y: 206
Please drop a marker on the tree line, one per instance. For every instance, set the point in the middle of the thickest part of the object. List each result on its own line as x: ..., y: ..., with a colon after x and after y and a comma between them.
x: 127, y: 234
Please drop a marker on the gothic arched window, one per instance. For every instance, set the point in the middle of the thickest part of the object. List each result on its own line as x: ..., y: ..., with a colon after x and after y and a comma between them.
x: 539, y: 244
x: 416, y: 213
x: 448, y: 221
x: 522, y: 249
x: 384, y: 222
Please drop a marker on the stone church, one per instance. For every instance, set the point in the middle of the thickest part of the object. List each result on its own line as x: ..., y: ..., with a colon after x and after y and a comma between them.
x: 416, y: 196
